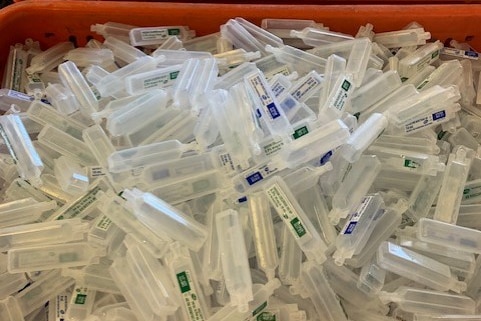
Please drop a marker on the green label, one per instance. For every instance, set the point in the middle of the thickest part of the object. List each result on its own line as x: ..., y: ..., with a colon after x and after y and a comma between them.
x: 471, y: 192
x: 80, y: 299
x: 297, y: 225
x: 442, y: 134
x: 174, y: 32
x: 190, y: 298
x: 285, y: 208
x: 266, y: 316
x: 183, y: 281
x: 259, y: 309
x: 435, y: 54
x: 411, y: 164
x: 173, y: 75
x: 300, y: 132
x: 346, y: 85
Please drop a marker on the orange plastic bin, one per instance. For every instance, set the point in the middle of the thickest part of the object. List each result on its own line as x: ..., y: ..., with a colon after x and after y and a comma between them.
x: 51, y: 22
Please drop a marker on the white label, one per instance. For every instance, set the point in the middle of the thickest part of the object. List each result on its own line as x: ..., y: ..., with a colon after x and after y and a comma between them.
x: 259, y: 87
x: 61, y: 303
x: 260, y: 173
x: 104, y: 223
x: 96, y: 171
x: 339, y: 99
x: 19, y: 95
x: 469, y: 54
x: 189, y: 296
x: 227, y: 163
x: 356, y: 216
x: 18, y: 68
x: 273, y: 147
x: 157, y: 34
x: 161, y: 81
x: 82, y: 204
x: 283, y: 70
x: 425, y: 121
x: 427, y: 60
x: 286, y: 210
x: 278, y: 88
x: 304, y: 88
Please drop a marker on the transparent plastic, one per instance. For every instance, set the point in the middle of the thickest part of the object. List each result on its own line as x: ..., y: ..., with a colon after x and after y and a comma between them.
x: 61, y: 98
x: 419, y: 59
x: 354, y: 187
x: 299, y: 225
x: 363, y: 137
x: 402, y: 38
x: 50, y: 58
x: 357, y: 228
x: 450, y: 235
x: 235, y: 263
x: 418, y: 267
x: 429, y: 302
x: 52, y: 256
x: 163, y: 218
x: 453, y: 185
x: 263, y: 233
x: 122, y: 50
x: 20, y: 146
x: 66, y: 145
x: 72, y: 78
x: 42, y: 233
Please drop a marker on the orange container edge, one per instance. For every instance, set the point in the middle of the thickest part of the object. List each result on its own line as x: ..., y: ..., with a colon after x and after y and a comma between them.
x: 51, y: 22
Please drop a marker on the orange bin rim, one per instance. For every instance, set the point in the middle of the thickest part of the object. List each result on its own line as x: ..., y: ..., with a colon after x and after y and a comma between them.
x: 51, y: 22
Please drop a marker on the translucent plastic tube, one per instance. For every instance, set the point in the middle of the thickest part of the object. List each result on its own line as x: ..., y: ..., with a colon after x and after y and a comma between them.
x: 162, y: 218
x: 298, y: 223
x: 264, y: 238
x: 235, y: 264
x: 417, y: 267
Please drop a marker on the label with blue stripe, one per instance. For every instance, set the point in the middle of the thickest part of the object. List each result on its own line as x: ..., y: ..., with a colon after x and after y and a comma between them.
x: 254, y: 178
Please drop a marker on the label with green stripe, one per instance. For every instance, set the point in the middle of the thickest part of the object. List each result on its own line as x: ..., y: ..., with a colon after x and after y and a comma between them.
x: 189, y: 296
x: 300, y: 132
x: 286, y: 211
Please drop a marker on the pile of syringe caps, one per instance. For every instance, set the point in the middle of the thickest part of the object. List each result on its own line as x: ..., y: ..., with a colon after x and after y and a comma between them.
x: 286, y: 172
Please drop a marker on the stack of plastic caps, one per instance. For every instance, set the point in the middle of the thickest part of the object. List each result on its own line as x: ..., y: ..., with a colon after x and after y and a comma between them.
x: 286, y: 172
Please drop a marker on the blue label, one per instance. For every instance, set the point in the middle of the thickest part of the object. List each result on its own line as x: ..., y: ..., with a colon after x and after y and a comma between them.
x: 350, y: 228
x: 254, y: 178
x: 324, y: 159
x: 439, y: 115
x: 258, y: 113
x: 273, y: 110
x: 473, y: 54
x: 242, y: 199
